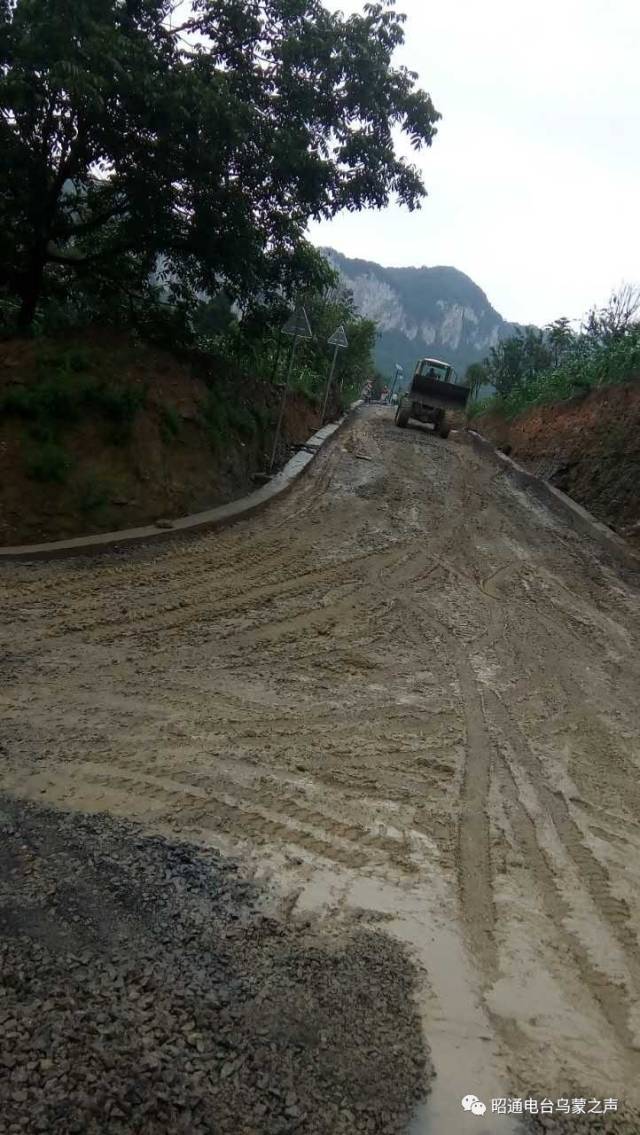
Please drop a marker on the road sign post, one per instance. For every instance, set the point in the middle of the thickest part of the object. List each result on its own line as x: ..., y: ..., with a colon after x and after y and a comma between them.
x: 399, y: 371
x: 339, y: 342
x: 298, y: 327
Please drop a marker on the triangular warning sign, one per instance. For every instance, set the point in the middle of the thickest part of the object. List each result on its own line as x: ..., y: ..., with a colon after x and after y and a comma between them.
x: 339, y: 338
x: 298, y: 325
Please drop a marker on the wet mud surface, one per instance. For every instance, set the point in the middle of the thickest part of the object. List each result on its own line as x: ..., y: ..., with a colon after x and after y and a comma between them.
x: 405, y: 688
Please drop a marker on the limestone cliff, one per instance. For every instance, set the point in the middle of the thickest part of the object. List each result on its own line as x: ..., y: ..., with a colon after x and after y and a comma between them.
x: 422, y: 311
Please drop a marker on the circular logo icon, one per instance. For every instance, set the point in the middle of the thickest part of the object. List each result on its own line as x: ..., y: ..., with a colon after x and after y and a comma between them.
x: 473, y: 1104
x: 468, y: 1101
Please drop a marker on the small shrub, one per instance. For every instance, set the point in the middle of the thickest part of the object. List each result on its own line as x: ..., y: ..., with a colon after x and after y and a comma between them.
x: 92, y: 494
x: 49, y: 462
x: 169, y: 424
x: 223, y: 415
x: 57, y: 400
x: 42, y: 431
x: 215, y: 420
x: 78, y: 359
x: 263, y: 418
x: 306, y: 381
x: 64, y: 393
x: 483, y: 406
x: 241, y: 419
x: 119, y: 404
x: 17, y: 400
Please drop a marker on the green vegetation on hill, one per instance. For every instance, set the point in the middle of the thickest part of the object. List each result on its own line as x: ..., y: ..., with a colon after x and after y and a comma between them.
x: 537, y: 367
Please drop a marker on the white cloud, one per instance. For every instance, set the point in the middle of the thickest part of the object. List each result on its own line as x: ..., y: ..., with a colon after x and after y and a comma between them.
x: 534, y: 176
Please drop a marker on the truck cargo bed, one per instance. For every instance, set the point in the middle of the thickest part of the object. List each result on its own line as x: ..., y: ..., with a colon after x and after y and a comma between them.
x: 434, y: 392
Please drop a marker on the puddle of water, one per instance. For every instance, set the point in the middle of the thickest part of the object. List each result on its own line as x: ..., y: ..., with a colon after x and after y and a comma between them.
x: 463, y: 1048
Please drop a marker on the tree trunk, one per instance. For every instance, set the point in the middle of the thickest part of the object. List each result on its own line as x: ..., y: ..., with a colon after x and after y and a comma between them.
x: 30, y: 292
x: 275, y: 365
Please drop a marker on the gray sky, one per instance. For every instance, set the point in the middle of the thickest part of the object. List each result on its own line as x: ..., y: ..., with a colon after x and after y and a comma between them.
x: 534, y: 175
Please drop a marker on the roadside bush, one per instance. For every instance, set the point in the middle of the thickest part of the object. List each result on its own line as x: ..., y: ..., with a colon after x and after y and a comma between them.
x: 119, y: 403
x: 263, y: 417
x: 223, y: 415
x: 306, y: 381
x: 169, y: 424
x: 49, y: 462
x: 586, y: 364
x: 215, y: 421
x: 93, y: 494
x: 241, y: 419
x: 483, y: 406
x: 64, y: 391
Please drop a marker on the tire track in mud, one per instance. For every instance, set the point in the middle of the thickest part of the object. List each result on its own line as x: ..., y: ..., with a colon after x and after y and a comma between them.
x: 614, y: 1002
x: 279, y: 813
x: 194, y: 566
x: 205, y: 602
x: 474, y: 864
x: 609, y: 996
x: 613, y: 910
x: 474, y: 846
x: 475, y: 868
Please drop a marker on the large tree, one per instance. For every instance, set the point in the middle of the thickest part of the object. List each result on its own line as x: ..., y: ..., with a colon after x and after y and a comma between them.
x: 560, y: 338
x: 518, y: 360
x: 619, y: 317
x: 206, y: 147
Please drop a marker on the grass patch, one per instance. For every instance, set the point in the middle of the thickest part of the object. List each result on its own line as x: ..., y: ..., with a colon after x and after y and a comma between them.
x: 483, y: 406
x: 169, y: 423
x: 52, y: 362
x: 119, y: 404
x: 93, y: 494
x: 240, y: 419
x: 214, y: 420
x: 263, y: 417
x: 49, y: 462
x: 306, y: 381
x: 223, y: 416
x: 64, y: 392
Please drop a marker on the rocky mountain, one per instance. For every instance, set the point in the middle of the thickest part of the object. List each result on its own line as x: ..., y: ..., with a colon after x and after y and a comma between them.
x: 436, y: 312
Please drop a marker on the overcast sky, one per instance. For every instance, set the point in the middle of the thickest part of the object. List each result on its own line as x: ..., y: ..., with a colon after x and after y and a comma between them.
x: 534, y: 175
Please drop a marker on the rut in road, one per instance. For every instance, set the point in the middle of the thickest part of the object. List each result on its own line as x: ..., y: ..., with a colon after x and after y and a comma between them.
x: 405, y: 671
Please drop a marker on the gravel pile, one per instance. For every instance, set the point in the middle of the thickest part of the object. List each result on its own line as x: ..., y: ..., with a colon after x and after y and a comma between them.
x: 147, y: 987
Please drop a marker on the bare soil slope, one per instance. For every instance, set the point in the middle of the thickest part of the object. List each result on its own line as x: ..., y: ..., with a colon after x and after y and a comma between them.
x: 589, y: 447
x: 99, y: 432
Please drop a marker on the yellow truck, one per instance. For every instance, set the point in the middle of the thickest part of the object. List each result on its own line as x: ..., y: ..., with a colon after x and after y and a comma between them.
x: 434, y: 389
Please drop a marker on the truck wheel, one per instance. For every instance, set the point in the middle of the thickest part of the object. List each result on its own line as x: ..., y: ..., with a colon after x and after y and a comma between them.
x: 402, y: 417
x: 443, y: 427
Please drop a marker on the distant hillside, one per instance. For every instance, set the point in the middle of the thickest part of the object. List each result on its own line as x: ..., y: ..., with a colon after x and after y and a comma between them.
x: 422, y: 311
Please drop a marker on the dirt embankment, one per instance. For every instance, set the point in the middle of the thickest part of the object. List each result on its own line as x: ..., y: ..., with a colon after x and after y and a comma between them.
x: 589, y: 447
x: 100, y: 433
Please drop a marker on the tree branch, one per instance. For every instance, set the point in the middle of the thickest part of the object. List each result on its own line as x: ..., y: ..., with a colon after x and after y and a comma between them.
x: 98, y: 220
x: 68, y: 260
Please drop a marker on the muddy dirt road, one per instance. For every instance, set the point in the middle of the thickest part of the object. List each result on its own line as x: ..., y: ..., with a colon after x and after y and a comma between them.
x: 404, y: 688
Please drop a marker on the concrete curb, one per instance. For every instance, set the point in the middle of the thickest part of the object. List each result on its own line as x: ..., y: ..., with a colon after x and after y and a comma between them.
x: 563, y: 506
x: 213, y: 518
